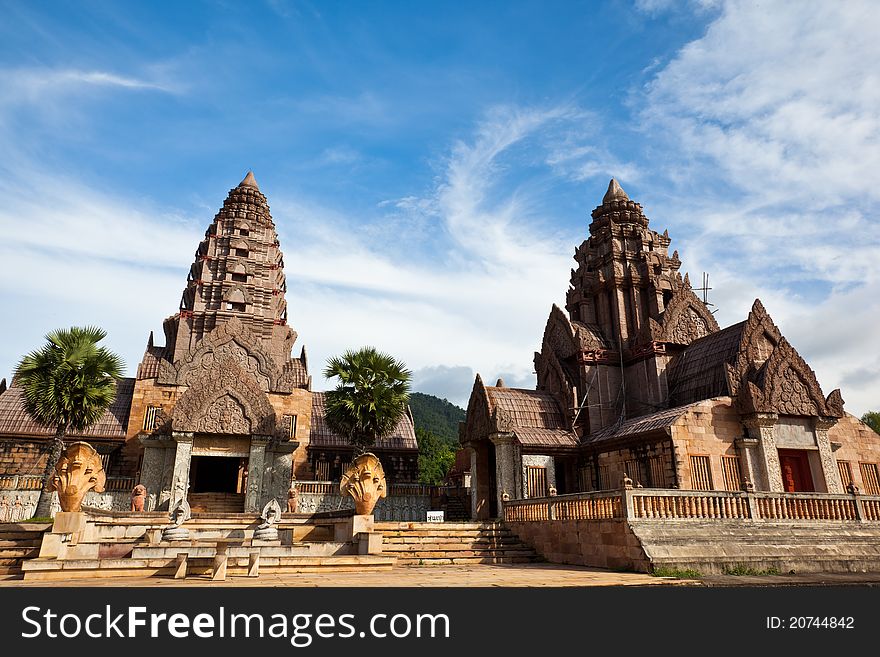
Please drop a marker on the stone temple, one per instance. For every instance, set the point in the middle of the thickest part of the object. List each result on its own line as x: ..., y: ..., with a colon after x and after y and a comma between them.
x: 222, y: 412
x: 636, y: 380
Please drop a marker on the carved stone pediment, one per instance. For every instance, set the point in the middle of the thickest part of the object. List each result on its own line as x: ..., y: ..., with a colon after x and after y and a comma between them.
x: 227, y: 400
x: 686, y: 318
x: 229, y: 340
x: 559, y: 335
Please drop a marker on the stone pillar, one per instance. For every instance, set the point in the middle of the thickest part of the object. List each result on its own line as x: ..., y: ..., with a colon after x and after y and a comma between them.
x: 508, y: 467
x: 182, y: 458
x: 256, y: 462
x: 761, y: 426
x: 157, y: 470
x: 821, y: 425
x: 749, y: 462
x: 277, y: 469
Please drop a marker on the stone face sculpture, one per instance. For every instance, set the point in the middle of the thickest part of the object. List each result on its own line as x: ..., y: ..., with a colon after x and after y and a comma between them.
x: 292, y: 498
x: 271, y: 515
x: 78, y: 471
x: 364, y: 480
x: 138, y: 497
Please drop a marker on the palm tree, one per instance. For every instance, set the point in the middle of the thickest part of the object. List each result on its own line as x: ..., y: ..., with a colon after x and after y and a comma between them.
x: 370, y: 398
x: 67, y: 384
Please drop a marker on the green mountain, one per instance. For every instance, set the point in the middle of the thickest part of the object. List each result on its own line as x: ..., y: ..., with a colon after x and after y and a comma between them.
x: 436, y: 415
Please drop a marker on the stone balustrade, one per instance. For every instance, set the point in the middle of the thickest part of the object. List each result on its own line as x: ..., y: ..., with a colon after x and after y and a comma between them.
x: 663, y: 504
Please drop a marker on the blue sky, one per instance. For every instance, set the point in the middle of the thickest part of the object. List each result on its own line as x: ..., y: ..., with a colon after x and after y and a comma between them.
x: 431, y: 166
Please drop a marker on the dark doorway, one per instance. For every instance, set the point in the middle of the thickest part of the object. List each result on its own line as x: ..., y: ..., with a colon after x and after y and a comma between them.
x: 216, y: 474
x: 796, y: 475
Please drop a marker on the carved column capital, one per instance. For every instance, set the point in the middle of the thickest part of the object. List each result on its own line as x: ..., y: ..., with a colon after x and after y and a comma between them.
x: 760, y: 420
x: 499, y: 439
x: 824, y: 423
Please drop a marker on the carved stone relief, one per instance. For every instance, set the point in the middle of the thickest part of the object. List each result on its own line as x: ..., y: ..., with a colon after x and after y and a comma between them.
x: 225, y: 415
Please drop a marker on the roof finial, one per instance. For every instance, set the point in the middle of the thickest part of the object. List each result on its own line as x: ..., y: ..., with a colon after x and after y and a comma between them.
x: 249, y: 181
x: 615, y: 191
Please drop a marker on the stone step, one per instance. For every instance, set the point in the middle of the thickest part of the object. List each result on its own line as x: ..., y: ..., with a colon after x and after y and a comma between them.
x: 54, y: 570
x: 441, y: 534
x: 444, y: 561
x: 461, y: 545
x: 443, y: 526
x: 455, y: 554
x: 25, y: 542
x: 18, y: 553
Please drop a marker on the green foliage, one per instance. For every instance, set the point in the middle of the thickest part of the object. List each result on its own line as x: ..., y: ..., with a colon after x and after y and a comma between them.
x: 67, y: 385
x: 70, y: 381
x: 677, y: 573
x: 370, y: 398
x: 437, y: 416
x: 436, y: 456
x: 742, y: 569
x: 872, y: 419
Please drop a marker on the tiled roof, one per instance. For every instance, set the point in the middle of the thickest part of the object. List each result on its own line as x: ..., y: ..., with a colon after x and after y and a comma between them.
x: 320, y: 435
x: 535, y: 415
x: 300, y: 375
x: 15, y: 421
x: 639, y: 425
x: 149, y: 367
x: 698, y: 372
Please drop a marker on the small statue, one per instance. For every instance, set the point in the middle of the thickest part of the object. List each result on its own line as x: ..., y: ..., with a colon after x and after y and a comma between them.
x: 4, y: 510
x: 852, y: 489
x: 627, y: 482
x: 271, y: 515
x: 178, y: 515
x: 505, y: 496
x: 552, y: 491
x: 18, y: 512
x: 138, y: 497
x: 292, y: 497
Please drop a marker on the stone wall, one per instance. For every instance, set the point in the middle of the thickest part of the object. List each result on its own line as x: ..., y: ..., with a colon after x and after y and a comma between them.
x: 401, y: 508
x: 20, y: 455
x: 599, y: 543
x: 17, y: 505
x: 859, y: 444
x: 710, y: 429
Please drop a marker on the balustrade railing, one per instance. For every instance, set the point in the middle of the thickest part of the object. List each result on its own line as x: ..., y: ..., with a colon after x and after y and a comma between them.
x: 662, y: 504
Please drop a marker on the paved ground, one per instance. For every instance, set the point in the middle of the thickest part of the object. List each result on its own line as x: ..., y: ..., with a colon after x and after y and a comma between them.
x: 477, y: 575
x: 526, y: 575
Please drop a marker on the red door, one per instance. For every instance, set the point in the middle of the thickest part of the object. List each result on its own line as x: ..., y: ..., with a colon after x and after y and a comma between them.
x: 796, y: 476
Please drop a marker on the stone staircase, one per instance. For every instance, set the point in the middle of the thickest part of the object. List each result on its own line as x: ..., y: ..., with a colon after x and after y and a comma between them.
x: 452, y: 543
x: 216, y: 502
x: 713, y: 547
x: 19, y: 541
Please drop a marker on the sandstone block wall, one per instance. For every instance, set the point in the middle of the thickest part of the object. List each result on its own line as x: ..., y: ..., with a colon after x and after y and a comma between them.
x: 599, y: 543
x: 709, y: 429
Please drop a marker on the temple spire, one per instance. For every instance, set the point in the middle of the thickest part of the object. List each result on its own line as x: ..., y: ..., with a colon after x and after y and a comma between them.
x: 615, y: 191
x: 250, y: 181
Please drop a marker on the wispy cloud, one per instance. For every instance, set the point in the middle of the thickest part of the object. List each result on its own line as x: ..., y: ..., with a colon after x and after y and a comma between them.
x: 773, y: 163
x: 29, y: 85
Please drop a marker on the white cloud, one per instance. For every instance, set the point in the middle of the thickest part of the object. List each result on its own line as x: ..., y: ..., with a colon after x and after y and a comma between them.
x: 773, y: 161
x: 32, y: 85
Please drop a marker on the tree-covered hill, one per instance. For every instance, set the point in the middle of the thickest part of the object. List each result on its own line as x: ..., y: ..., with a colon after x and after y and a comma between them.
x: 437, y: 416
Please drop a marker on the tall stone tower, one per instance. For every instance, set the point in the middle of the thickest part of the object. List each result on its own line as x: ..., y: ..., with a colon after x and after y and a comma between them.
x: 629, y: 312
x: 238, y: 273
x: 222, y: 408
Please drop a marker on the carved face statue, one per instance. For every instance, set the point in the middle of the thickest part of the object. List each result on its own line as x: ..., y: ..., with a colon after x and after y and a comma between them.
x: 78, y: 471
x: 365, y: 482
